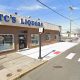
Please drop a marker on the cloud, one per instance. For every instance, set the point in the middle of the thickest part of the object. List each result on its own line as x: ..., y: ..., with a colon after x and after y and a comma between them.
x: 32, y: 7
x: 20, y: 8
x: 54, y: 8
x: 76, y: 8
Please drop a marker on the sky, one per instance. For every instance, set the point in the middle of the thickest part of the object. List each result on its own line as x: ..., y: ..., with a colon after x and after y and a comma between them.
x: 36, y: 10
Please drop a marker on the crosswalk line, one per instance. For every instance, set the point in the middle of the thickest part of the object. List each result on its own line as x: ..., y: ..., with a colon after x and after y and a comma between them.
x: 71, y: 55
x: 79, y: 60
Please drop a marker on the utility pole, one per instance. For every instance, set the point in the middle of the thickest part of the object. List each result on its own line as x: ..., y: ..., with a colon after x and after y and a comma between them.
x: 70, y: 27
x: 71, y: 9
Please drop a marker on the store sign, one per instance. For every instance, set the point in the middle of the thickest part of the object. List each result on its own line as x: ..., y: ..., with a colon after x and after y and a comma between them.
x: 7, y: 18
x: 31, y: 23
x: 13, y: 19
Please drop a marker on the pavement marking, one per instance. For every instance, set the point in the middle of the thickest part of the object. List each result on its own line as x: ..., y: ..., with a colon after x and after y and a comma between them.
x: 56, y: 52
x: 79, y: 60
x: 71, y: 55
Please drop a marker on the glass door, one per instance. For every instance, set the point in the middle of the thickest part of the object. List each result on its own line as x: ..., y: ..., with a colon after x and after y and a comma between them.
x: 22, y: 42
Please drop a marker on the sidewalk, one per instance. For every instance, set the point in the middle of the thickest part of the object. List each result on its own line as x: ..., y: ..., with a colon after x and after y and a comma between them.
x: 14, y: 65
x: 48, y: 51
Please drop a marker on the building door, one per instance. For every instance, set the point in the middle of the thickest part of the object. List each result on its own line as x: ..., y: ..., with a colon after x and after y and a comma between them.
x: 22, y: 41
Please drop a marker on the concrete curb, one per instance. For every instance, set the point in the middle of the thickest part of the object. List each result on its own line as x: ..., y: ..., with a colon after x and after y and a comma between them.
x: 14, y: 66
x: 19, y: 76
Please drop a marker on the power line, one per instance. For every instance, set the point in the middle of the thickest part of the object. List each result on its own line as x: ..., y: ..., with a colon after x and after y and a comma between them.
x: 53, y: 10
x: 59, y: 13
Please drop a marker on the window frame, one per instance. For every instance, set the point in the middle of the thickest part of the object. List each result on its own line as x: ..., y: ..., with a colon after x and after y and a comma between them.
x: 12, y: 43
x: 34, y: 44
x: 49, y: 36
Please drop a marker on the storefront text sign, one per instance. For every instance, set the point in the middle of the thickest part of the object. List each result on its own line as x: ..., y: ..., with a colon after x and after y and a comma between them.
x: 8, y: 18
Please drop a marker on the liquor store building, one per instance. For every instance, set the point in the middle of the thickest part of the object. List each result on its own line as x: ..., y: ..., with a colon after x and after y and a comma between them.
x: 18, y: 32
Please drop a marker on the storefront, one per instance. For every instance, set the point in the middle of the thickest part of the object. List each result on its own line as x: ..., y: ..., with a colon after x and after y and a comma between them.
x: 20, y: 32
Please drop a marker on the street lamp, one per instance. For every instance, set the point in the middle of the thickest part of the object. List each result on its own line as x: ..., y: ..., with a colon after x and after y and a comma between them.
x: 40, y: 32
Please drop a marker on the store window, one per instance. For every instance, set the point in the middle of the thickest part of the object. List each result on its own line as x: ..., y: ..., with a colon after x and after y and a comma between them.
x: 48, y: 36
x: 35, y: 39
x: 6, y: 42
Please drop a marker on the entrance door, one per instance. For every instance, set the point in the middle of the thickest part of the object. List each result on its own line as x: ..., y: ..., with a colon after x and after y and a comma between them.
x: 22, y: 41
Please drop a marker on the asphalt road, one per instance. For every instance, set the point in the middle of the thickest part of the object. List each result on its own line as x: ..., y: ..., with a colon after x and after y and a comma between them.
x: 63, y: 67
